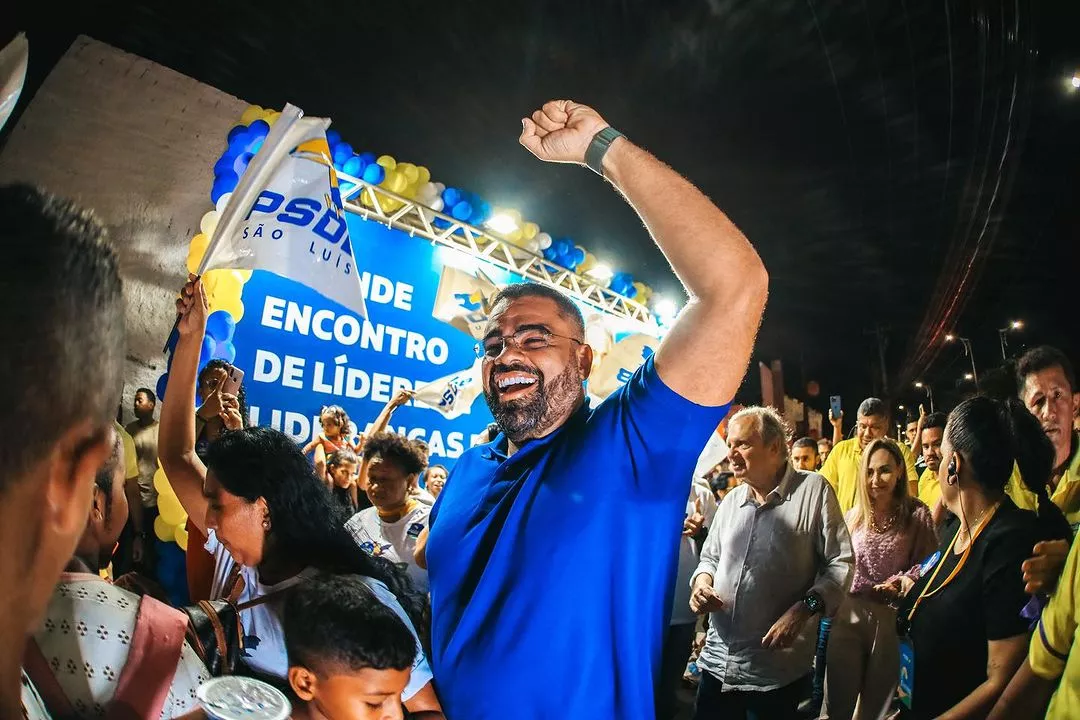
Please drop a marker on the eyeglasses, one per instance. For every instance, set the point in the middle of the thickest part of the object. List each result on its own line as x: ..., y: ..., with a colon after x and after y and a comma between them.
x: 527, y: 339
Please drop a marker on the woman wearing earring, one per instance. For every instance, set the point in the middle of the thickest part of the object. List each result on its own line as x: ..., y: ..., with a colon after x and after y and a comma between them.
x: 891, y: 532
x: 962, y: 632
x: 270, y: 521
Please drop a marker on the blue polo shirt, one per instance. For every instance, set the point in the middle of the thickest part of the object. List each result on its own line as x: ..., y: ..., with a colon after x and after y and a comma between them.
x: 552, y: 571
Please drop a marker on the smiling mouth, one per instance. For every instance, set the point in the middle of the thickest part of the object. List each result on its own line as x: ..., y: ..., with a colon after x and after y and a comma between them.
x: 513, y: 384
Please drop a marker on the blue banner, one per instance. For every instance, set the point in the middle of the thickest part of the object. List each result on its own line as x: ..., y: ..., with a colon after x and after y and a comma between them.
x: 301, y: 351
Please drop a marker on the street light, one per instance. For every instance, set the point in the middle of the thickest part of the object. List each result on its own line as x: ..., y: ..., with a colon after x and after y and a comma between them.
x: 967, y: 351
x: 929, y: 393
x: 969, y: 376
x: 1014, y: 325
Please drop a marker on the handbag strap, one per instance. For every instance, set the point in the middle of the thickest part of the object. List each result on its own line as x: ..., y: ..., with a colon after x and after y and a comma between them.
x: 45, y: 682
x: 147, y: 676
x: 285, y: 586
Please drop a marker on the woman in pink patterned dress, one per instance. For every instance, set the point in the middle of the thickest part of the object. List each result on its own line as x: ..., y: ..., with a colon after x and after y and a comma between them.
x: 891, y: 533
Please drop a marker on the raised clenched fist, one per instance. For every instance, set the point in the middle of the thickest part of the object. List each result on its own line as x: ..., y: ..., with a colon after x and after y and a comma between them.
x: 561, y: 131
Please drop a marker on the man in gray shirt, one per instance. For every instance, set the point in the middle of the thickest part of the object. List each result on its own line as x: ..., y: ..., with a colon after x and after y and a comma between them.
x: 778, y: 554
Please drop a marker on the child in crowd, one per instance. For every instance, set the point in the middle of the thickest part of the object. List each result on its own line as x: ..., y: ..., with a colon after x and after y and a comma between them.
x: 336, y: 435
x: 342, y: 467
x: 350, y: 656
x: 391, y: 528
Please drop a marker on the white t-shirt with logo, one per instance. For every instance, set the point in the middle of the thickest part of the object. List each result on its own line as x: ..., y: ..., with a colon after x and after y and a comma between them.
x: 264, y: 636
x: 394, y: 541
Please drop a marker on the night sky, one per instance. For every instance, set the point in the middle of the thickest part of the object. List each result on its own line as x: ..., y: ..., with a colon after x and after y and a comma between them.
x: 910, y: 167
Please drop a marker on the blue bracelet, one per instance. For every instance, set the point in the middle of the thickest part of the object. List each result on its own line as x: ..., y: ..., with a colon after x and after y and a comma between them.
x: 601, y: 142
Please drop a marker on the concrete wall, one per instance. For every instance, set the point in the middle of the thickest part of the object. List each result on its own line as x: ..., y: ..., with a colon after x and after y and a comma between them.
x: 136, y: 142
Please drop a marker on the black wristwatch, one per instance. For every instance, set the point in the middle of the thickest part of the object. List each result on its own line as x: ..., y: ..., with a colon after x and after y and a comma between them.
x: 813, y: 602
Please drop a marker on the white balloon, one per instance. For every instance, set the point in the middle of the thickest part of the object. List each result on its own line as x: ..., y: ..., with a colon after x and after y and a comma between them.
x: 441, y: 186
x: 532, y: 246
x: 543, y: 240
x: 437, y: 204
x: 427, y: 190
x: 208, y: 223
x: 223, y: 201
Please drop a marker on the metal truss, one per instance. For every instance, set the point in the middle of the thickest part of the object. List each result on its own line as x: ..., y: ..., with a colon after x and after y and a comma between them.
x: 401, y: 213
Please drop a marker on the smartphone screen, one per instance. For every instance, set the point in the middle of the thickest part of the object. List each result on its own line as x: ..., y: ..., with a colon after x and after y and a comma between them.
x: 232, y: 383
x: 834, y: 405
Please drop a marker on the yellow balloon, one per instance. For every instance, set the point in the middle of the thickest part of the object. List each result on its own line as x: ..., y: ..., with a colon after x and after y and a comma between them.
x: 515, y: 216
x: 640, y: 298
x: 272, y: 118
x: 243, y: 275
x: 410, y: 172
x: 169, y: 508
x: 253, y: 113
x: 267, y: 113
x: 234, y: 306
x: 529, y: 230
x: 196, y: 250
x: 208, y: 222
x: 222, y: 285
x: 587, y: 264
x: 515, y: 236
x: 387, y: 162
x: 395, y: 181
x: 423, y: 175
x: 161, y: 483
x: 163, y: 530
x: 180, y: 534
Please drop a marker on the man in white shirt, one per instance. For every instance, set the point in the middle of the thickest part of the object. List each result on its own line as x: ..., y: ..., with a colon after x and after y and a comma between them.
x: 392, y: 526
x: 778, y: 555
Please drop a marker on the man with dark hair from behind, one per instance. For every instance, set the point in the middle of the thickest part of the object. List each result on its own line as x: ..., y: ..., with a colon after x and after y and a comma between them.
x: 62, y: 334
x: 350, y: 656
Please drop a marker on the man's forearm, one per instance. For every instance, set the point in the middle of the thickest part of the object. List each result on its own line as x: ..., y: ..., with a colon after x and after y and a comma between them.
x: 711, y: 256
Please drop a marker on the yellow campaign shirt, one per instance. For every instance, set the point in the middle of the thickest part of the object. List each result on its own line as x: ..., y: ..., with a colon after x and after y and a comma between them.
x: 841, y: 469
x: 1050, y: 653
x: 1066, y: 495
x: 929, y: 488
x: 131, y: 462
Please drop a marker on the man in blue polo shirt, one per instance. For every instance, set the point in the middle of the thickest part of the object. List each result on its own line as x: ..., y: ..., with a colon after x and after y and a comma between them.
x: 553, y: 548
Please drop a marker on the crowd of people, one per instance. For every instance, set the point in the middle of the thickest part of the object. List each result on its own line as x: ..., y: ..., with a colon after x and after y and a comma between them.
x: 582, y: 562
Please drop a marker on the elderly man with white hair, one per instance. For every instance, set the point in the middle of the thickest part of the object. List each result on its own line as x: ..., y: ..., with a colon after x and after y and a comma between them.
x: 778, y: 554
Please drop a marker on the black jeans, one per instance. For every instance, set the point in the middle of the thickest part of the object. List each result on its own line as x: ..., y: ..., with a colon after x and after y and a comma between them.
x: 677, y: 644
x: 779, y: 704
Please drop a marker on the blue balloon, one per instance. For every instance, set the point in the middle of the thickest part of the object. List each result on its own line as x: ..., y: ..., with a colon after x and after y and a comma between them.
x: 353, y: 166
x: 219, y: 188
x: 162, y: 383
x: 259, y: 128
x: 256, y: 145
x: 342, y: 152
x: 225, y: 162
x: 374, y: 173
x: 241, y: 162
x: 239, y: 142
x: 220, y: 326
x: 461, y: 211
x: 333, y: 137
x: 483, y: 213
x: 227, y: 179
x: 451, y: 197
x: 206, y: 354
x: 225, y: 351
x: 575, y: 257
x: 368, y: 158
x: 236, y: 130
x: 550, y: 253
x: 562, y: 245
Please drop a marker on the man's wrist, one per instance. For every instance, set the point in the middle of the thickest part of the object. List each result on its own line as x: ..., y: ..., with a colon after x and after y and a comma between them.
x: 613, y: 158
